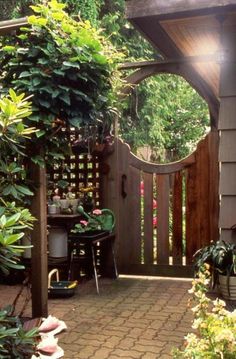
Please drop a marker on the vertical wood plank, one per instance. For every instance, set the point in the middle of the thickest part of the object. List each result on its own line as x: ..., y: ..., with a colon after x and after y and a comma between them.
x: 135, y: 216
x: 203, y: 192
x: 214, y: 186
x: 148, y: 218
x: 177, y: 250
x: 163, y: 190
x: 39, y: 261
x: 192, y: 232
x: 125, y: 206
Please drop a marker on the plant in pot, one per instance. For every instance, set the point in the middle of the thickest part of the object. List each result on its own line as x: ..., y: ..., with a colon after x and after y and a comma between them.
x: 100, y: 220
x: 221, y: 256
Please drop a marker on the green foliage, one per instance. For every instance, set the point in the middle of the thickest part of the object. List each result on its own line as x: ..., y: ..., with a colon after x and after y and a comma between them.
x: 122, y: 33
x: 87, y: 9
x: 103, y: 219
x: 68, y: 67
x: 13, y: 219
x: 11, y: 231
x: 13, y: 134
x: 15, y: 342
x: 220, y: 256
x: 168, y: 115
x: 215, y: 327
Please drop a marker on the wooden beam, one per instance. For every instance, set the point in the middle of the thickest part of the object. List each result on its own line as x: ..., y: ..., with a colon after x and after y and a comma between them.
x: 182, y: 60
x: 6, y: 27
x: 167, y: 168
x: 39, y: 261
x: 163, y: 8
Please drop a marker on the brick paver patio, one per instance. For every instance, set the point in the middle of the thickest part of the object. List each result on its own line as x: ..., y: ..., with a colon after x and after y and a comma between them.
x: 130, y: 319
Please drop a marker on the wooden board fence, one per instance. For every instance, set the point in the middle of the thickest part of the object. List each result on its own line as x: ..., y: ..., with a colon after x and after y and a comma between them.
x: 161, y: 225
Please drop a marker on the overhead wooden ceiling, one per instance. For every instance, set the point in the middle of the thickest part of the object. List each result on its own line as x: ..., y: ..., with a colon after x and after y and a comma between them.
x: 185, y: 28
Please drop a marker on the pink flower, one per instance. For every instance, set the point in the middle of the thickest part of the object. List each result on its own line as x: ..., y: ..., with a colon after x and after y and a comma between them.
x: 142, y: 185
x: 97, y: 212
x: 154, y: 222
x: 84, y: 223
x: 154, y: 204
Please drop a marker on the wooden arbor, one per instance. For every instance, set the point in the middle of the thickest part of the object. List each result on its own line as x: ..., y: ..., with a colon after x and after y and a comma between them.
x: 186, y: 29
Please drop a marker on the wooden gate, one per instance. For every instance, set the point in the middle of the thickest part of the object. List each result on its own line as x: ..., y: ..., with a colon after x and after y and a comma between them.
x: 164, y: 212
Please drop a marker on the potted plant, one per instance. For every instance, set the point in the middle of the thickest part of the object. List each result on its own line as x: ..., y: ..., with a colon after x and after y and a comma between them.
x: 221, y: 256
x: 100, y: 220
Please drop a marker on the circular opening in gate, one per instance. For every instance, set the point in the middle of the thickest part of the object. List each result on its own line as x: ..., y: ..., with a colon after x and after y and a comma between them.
x: 164, y: 118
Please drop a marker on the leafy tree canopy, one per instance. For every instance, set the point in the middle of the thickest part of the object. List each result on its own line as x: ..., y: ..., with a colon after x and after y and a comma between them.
x: 168, y: 115
x: 161, y: 105
x: 68, y: 67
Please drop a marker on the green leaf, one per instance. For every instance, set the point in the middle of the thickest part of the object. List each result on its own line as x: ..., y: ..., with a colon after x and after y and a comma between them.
x: 3, y: 221
x: 24, y: 190
x: 36, y: 81
x: 24, y: 74
x: 63, y: 184
x: 12, y: 220
x: 44, y: 103
x: 65, y: 98
x: 71, y: 64
x: 40, y: 133
x: 8, y: 48
x: 13, y: 238
x: 38, y: 160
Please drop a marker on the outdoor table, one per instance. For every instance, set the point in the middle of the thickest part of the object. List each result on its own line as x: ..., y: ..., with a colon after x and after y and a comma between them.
x: 91, y: 241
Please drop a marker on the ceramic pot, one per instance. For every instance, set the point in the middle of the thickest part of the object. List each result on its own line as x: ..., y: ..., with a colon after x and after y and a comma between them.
x: 57, y: 242
x: 231, y: 294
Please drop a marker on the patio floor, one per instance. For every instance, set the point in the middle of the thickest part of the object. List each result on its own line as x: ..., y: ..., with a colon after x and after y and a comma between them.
x: 132, y: 318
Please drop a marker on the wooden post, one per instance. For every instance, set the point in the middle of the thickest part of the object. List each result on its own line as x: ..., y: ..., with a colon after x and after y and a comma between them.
x: 39, y: 240
x: 227, y: 127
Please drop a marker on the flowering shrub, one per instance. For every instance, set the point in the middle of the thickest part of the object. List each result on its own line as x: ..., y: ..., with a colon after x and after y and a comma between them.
x: 215, y: 335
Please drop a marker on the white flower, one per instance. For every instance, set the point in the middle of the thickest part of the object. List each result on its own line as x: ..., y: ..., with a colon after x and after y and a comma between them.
x: 225, y: 334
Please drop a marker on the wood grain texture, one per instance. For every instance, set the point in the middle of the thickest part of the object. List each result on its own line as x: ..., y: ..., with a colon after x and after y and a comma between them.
x: 192, y: 232
x: 177, y: 236
x: 39, y: 261
x: 161, y: 168
x: 203, y: 186
x: 163, y: 191
x: 140, y: 8
x: 214, y: 173
x: 123, y: 239
x: 148, y: 218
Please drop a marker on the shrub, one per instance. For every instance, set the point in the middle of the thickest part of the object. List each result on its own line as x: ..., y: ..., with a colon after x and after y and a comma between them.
x: 215, y: 335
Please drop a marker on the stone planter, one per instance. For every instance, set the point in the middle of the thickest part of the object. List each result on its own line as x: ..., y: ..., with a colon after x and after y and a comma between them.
x: 224, y: 287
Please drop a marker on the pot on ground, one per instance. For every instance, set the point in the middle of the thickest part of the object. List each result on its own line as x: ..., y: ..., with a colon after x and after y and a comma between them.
x: 228, y: 286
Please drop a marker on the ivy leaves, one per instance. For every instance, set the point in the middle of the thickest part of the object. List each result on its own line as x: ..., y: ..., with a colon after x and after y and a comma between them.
x: 68, y: 67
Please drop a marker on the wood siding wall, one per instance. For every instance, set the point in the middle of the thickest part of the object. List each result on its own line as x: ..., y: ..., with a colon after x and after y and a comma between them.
x: 186, y: 195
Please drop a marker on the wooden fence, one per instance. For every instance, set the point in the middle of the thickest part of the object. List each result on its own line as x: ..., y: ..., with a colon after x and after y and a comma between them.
x: 164, y: 212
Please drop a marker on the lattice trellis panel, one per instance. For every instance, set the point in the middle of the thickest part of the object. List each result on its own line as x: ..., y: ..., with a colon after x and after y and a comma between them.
x: 79, y: 170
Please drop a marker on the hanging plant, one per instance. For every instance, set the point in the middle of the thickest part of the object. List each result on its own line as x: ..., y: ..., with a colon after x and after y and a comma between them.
x: 68, y: 67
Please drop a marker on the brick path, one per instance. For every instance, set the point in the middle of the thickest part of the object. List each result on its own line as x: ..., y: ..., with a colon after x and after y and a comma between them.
x: 130, y: 319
